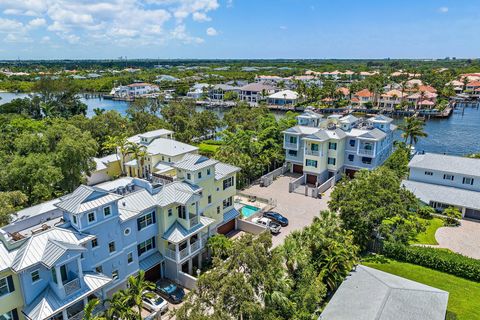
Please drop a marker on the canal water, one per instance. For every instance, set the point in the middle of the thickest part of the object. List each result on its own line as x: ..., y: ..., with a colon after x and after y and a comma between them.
x: 458, y: 134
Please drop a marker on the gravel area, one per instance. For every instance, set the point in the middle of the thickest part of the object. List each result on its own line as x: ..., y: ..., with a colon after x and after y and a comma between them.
x: 464, y: 239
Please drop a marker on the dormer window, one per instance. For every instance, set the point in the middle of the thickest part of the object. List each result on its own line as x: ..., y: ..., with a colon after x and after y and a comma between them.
x: 208, y: 171
x: 189, y: 176
x: 199, y: 175
x: 74, y: 219
x: 107, y: 211
x: 91, y: 217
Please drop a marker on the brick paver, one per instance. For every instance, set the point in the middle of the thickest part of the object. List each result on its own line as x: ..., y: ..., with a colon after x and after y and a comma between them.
x: 464, y: 239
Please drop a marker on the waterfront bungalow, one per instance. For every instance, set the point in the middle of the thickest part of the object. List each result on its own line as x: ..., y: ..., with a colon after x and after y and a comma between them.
x: 255, y: 92
x: 442, y: 181
x: 283, y: 98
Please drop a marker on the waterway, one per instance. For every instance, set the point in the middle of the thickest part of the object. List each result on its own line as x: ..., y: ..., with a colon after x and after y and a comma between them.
x: 458, y: 134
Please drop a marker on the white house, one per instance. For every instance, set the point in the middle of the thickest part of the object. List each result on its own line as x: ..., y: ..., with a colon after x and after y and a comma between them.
x: 283, y: 98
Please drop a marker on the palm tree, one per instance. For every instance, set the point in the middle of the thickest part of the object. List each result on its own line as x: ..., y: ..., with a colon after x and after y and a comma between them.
x: 138, y: 152
x: 89, y: 310
x: 412, y: 128
x: 119, y: 144
x: 120, y: 307
x: 139, y: 288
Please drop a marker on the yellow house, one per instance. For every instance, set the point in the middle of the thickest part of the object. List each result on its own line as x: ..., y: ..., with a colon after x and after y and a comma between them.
x: 11, y: 300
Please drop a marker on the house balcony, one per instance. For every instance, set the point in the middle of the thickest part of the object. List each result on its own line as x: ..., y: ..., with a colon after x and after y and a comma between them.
x: 72, y: 286
x: 365, y: 152
x: 288, y: 145
x: 191, y: 248
x: 310, y: 152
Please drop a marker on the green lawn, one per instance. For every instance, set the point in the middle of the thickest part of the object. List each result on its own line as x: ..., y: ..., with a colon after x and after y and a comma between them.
x: 206, y: 148
x: 464, y: 295
x: 428, y: 236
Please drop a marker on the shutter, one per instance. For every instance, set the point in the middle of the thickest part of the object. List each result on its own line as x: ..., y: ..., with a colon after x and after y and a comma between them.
x: 138, y: 225
x: 153, y: 242
x: 138, y: 250
x: 154, y: 217
x: 11, y: 286
x: 15, y: 314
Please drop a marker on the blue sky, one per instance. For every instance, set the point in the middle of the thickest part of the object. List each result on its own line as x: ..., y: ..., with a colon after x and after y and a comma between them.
x: 48, y: 29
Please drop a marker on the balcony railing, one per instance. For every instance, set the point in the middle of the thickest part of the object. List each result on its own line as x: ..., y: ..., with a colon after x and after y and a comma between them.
x: 78, y: 316
x: 184, y: 253
x: 171, y: 254
x: 193, y: 221
x: 367, y: 152
x: 205, y: 238
x: 195, y: 246
x: 289, y: 145
x: 310, y: 152
x: 72, y: 286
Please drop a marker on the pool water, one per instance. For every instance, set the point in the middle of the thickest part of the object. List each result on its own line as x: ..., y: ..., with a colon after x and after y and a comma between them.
x: 248, y: 210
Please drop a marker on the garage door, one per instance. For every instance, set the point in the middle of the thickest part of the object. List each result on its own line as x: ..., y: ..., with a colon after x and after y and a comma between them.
x: 227, y: 227
x: 472, y: 214
x: 297, y: 168
x: 311, y: 179
x: 153, y: 274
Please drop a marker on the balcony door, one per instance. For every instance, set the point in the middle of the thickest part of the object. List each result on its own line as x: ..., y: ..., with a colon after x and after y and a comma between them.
x: 63, y: 274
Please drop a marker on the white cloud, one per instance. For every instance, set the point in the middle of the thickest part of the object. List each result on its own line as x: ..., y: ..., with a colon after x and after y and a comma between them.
x: 200, y: 16
x: 7, y: 25
x: 180, y: 33
x: 211, y: 32
x: 443, y: 9
x: 37, y: 22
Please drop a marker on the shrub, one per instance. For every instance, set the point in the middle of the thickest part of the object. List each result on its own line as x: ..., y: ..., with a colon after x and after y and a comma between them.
x: 426, y: 212
x: 438, y: 259
x: 452, y: 216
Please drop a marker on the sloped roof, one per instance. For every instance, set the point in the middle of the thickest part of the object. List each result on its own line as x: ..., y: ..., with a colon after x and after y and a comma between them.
x: 169, y: 147
x: 364, y: 93
x: 193, y: 162
x: 36, y: 210
x: 284, y: 94
x: 372, y: 294
x: 47, y: 247
x: 134, y: 203
x: 349, y: 119
x: 85, y: 198
x: 177, y: 233
x: 301, y: 130
x: 256, y: 87
x: 177, y: 192
x: 446, y: 163
x: 223, y: 169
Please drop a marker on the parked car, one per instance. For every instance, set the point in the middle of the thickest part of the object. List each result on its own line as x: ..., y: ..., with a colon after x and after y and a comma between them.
x: 155, y: 303
x: 276, y: 217
x: 268, y: 223
x: 171, y: 292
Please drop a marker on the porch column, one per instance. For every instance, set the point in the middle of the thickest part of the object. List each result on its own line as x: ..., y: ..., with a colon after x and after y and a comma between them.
x: 59, y: 278
x: 190, y: 266
x: 64, y: 314
x: 177, y: 251
x: 196, y: 207
x: 188, y: 246
x: 80, y: 270
x: 374, y: 148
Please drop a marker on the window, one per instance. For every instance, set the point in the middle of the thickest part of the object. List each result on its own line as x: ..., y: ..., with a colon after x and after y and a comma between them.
x: 91, y: 217
x: 448, y: 177
x: 208, y: 171
x: 74, y: 219
x: 293, y: 140
x: 332, y: 145
x: 314, y: 147
x: 10, y: 315
x: 115, y: 275
x: 189, y: 176
x: 130, y: 257
x: 352, y: 143
x: 311, y: 163
x: 146, y: 220
x: 331, y: 161
x: 95, y: 243
x: 63, y: 274
x: 292, y: 153
x: 35, y: 276
x: 182, y: 212
x: 366, y: 160
x: 428, y: 173
x: 6, y: 285
x: 126, y: 231
x: 467, y: 181
x: 170, y: 212
x: 227, y: 183
x: 218, y: 210
x: 106, y: 211
x: 98, y: 269
x: 145, y: 246
x: 199, y: 175
x: 227, y: 202
x: 209, y: 199
x: 111, y: 246
x: 351, y: 157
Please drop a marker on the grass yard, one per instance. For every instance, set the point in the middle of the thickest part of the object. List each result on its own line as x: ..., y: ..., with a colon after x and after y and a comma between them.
x: 207, y: 148
x: 428, y: 236
x: 464, y: 294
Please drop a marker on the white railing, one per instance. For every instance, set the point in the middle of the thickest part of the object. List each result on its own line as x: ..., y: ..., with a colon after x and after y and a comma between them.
x: 366, y: 152
x: 72, y: 286
x: 288, y: 145
x: 184, y: 253
x: 193, y: 221
x: 310, y: 152
x: 195, y: 246
x: 205, y: 239
x: 171, y: 254
x: 78, y: 316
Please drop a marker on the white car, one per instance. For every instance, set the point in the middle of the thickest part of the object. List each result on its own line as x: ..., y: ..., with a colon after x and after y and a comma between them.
x: 155, y: 303
x: 267, y: 223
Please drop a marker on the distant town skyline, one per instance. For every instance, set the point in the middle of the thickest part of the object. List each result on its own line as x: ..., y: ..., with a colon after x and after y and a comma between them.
x: 238, y: 29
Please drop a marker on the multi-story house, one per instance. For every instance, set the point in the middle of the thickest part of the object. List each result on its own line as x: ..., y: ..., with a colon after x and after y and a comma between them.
x: 283, y: 98
x: 58, y: 255
x: 362, y: 97
x: 255, y: 92
x: 217, y: 92
x: 392, y: 98
x: 135, y: 89
x: 321, y: 148
x: 442, y: 181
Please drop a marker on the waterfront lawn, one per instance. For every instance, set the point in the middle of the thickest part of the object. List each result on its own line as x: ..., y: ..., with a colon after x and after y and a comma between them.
x: 207, y: 148
x: 428, y: 236
x: 464, y: 294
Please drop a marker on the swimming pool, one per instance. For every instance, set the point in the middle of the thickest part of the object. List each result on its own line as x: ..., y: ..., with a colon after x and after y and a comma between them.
x: 248, y: 210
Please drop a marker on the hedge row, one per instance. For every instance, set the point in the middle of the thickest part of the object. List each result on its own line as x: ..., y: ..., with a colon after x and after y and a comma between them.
x: 437, y: 259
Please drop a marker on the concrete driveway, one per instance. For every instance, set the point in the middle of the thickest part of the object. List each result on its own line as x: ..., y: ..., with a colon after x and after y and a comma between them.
x: 464, y: 239
x: 298, y: 208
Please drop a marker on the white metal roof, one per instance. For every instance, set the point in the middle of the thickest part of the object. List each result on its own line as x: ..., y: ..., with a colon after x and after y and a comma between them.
x: 222, y: 170
x: 35, y: 210
x: 446, y: 163
x: 86, y: 198
x: 193, y: 162
x: 177, y: 233
x: 169, y: 147
x: 284, y: 94
x: 177, y: 192
x: 134, y: 203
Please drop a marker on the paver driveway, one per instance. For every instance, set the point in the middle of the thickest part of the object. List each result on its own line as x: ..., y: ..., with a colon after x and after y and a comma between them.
x: 299, y: 209
x: 464, y: 239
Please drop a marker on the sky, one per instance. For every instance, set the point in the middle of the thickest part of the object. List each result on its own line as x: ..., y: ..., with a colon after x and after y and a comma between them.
x: 239, y: 29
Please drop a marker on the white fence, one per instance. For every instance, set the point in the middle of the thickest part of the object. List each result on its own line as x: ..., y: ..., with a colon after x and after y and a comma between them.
x: 186, y: 280
x: 250, y: 227
x: 296, y: 183
x: 267, y: 179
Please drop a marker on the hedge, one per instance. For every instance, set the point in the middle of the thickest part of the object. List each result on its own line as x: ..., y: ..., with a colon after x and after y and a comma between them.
x: 438, y: 259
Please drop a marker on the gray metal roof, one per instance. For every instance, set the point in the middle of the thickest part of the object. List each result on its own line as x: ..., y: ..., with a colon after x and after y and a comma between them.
x: 230, y: 215
x: 446, y: 163
x: 193, y: 162
x: 222, y: 170
x: 372, y: 294
x: 177, y: 192
x: 46, y: 247
x: 169, y: 147
x: 151, y: 261
x: 301, y: 130
x: 177, y: 233
x: 85, y: 198
x: 427, y: 192
x: 48, y: 303
x: 134, y: 203
x: 256, y: 87
x: 36, y: 210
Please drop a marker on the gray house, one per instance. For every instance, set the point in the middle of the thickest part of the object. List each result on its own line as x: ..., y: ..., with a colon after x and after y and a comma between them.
x: 372, y: 294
